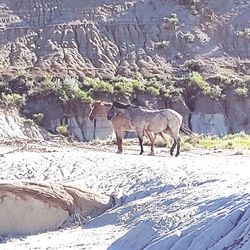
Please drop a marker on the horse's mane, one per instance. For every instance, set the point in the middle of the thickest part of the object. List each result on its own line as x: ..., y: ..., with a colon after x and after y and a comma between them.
x: 102, y: 102
x: 121, y: 105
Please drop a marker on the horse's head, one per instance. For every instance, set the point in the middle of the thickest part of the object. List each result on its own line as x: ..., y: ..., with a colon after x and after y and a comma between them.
x: 118, y: 108
x: 111, y: 113
x: 98, y: 109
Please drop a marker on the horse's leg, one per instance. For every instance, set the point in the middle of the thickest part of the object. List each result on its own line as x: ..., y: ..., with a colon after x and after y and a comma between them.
x: 139, y: 132
x: 174, y: 144
x: 151, y: 137
x: 174, y: 133
x: 164, y: 138
x: 178, y: 146
x: 119, y: 135
x: 173, y: 147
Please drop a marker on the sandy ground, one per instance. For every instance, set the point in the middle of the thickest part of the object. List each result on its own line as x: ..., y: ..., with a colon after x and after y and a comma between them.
x: 199, y: 200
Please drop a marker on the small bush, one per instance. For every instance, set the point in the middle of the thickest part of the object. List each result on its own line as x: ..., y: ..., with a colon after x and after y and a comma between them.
x: 171, y: 21
x: 245, y: 33
x: 125, y: 88
x: 13, y: 99
x: 170, y: 91
x: 138, y: 85
x: 65, y: 90
x: 188, y: 37
x: 23, y: 73
x: 99, y: 85
x: 62, y: 129
x: 153, y: 90
x: 241, y: 91
x: 196, y: 79
x: 38, y: 118
x: 83, y: 96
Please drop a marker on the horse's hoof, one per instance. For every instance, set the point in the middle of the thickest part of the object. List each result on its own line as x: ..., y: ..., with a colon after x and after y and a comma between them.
x: 141, y: 153
x: 176, y: 155
x: 151, y: 154
x: 171, y: 153
x: 118, y: 152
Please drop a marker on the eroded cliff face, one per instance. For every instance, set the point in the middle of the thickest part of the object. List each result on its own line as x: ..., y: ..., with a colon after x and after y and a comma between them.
x: 133, y: 38
x: 104, y: 38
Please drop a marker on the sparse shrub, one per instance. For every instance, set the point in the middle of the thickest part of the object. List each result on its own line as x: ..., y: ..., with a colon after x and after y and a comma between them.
x: 161, y: 45
x: 215, y: 91
x: 138, y: 85
x: 62, y: 129
x: 83, y: 96
x: 196, y: 79
x: 241, y: 91
x: 153, y: 90
x: 65, y: 90
x: 23, y: 73
x: 193, y: 65
x: 4, y: 87
x: 99, y: 85
x: 13, y: 99
x: 2, y: 66
x: 127, y: 86
x: 170, y: 91
x: 188, y: 37
x: 171, y: 21
x: 245, y: 33
x: 38, y: 118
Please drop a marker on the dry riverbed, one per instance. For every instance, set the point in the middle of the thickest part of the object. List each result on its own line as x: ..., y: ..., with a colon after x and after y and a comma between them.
x: 162, y: 202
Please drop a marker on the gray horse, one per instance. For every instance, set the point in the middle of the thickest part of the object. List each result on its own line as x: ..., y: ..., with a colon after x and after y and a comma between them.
x: 119, y: 124
x: 151, y: 121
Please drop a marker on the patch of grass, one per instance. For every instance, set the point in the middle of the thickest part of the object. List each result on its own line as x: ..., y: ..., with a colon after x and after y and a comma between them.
x: 128, y: 86
x: 23, y: 73
x: 13, y: 99
x: 96, y: 84
x: 236, y: 141
x: 196, y: 79
x: 62, y: 129
x: 125, y: 88
x: 138, y: 85
x: 229, y: 77
x: 153, y: 90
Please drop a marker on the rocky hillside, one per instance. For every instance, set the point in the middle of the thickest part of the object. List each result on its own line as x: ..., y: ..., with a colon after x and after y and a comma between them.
x: 109, y: 37
x: 201, y: 47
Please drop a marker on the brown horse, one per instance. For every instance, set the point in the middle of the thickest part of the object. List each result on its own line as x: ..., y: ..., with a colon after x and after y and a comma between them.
x: 119, y: 124
x: 152, y: 121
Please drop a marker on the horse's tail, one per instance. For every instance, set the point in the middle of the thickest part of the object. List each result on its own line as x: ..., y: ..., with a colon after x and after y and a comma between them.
x: 186, y: 130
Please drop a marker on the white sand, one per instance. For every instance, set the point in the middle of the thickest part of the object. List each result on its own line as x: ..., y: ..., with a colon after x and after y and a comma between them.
x: 196, y: 201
